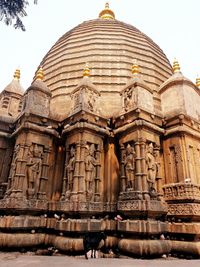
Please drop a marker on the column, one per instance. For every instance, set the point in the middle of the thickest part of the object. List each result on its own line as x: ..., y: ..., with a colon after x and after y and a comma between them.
x: 81, y: 177
x: 65, y: 185
x: 76, y: 173
x: 144, y: 170
x: 123, y: 177
x: 138, y: 174
x: 97, y: 176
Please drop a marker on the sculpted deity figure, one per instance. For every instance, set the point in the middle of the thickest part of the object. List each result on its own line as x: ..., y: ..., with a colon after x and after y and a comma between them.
x: 151, y: 168
x: 70, y: 169
x: 129, y: 165
x: 34, y: 169
x: 128, y: 99
x: 13, y: 182
x: 91, y: 102
x: 90, y: 168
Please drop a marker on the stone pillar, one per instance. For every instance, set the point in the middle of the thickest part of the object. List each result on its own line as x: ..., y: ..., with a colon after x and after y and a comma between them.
x: 138, y: 173
x: 65, y: 186
x: 18, y: 187
x: 45, y: 174
x: 75, y: 188
x: 81, y: 177
x: 144, y: 170
x: 123, y: 177
x: 158, y: 172
x: 97, y: 177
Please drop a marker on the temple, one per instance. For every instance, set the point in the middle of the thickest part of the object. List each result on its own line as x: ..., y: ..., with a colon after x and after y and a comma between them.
x: 108, y: 129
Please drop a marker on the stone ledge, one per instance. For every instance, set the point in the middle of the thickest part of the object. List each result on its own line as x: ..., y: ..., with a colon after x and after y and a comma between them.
x: 184, y: 209
x: 142, y: 226
x: 144, y: 248
x: 133, y: 206
x: 23, y: 204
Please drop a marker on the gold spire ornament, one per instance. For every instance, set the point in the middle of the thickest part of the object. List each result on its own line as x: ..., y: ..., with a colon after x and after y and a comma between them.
x: 107, y: 13
x: 86, y: 71
x: 17, y: 75
x: 176, y: 66
x: 40, y: 75
x: 198, y: 82
x: 135, y: 69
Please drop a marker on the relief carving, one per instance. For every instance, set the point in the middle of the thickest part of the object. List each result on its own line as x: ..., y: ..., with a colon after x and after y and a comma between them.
x: 13, y: 181
x: 129, y: 166
x: 34, y: 170
x: 90, y: 170
x: 129, y: 100
x: 70, y: 171
x: 90, y: 101
x: 152, y: 169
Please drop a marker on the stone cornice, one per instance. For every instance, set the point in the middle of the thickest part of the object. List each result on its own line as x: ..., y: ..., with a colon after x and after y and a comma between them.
x: 142, y: 123
x: 35, y: 127
x: 182, y: 128
x: 82, y: 125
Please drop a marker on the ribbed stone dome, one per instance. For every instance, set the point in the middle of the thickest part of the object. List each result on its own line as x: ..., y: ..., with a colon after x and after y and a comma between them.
x: 109, y: 47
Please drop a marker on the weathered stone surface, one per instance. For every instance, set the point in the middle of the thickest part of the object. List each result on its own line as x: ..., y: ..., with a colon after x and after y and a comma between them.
x: 146, y: 248
x: 105, y: 150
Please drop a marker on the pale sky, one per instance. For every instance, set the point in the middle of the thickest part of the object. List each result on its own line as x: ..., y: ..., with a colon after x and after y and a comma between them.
x: 172, y: 24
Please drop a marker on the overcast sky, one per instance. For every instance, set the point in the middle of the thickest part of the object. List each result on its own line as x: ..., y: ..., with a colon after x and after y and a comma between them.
x: 172, y: 24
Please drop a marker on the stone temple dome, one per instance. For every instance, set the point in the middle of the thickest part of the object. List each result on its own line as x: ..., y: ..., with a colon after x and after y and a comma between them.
x: 109, y: 47
x: 106, y: 140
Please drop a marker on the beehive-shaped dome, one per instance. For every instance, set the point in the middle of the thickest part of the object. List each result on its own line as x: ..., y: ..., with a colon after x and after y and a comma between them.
x: 109, y: 47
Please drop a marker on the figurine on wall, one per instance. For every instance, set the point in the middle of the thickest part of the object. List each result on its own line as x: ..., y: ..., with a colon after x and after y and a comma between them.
x: 128, y: 99
x: 151, y: 169
x: 70, y: 171
x: 34, y: 170
x: 129, y: 165
x: 90, y: 102
x: 90, y: 168
x: 13, y: 182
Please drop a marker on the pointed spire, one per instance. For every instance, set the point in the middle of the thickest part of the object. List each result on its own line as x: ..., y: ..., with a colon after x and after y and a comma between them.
x: 198, y: 82
x: 40, y: 74
x: 107, y: 13
x: 176, y: 66
x: 17, y: 75
x: 135, y: 68
x: 86, y: 70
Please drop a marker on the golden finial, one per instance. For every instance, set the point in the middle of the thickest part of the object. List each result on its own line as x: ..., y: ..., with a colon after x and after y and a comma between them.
x: 135, y: 68
x: 17, y: 75
x: 176, y: 66
x: 40, y: 74
x: 86, y: 71
x: 107, y: 13
x: 198, y: 82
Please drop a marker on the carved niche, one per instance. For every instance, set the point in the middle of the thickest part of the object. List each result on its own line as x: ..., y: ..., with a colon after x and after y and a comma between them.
x: 13, y: 181
x: 84, y: 99
x: 82, y: 172
x: 29, y: 171
x: 129, y: 99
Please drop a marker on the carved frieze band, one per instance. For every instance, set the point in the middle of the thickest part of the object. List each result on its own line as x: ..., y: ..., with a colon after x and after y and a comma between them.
x: 184, y: 209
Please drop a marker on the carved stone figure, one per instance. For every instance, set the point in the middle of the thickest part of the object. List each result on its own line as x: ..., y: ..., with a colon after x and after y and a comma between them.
x: 151, y: 169
x: 34, y: 169
x: 70, y: 170
x: 128, y: 99
x: 13, y: 181
x: 129, y: 165
x: 90, y: 102
x: 90, y: 168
